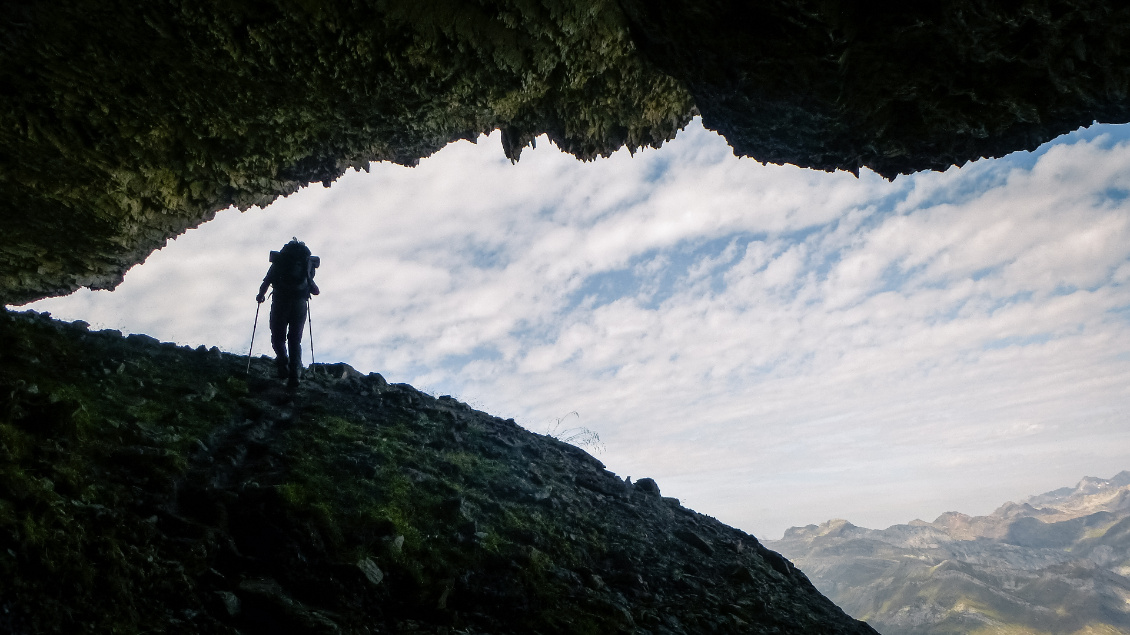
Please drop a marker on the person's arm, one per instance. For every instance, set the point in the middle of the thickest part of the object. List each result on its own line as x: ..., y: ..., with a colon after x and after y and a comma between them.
x: 263, y: 287
x: 314, y: 290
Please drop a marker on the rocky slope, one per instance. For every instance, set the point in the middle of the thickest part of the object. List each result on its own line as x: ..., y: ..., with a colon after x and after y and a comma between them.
x: 150, y: 488
x: 124, y: 123
x: 1057, y: 563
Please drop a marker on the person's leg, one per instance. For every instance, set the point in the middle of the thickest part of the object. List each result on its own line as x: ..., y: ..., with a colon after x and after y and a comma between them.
x: 294, y: 339
x: 279, y: 321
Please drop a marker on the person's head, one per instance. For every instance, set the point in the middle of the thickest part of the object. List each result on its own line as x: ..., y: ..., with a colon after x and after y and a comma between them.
x: 296, y: 245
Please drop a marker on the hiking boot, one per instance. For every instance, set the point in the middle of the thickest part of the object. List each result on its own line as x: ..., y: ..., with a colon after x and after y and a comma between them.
x: 281, y: 367
x: 295, y: 372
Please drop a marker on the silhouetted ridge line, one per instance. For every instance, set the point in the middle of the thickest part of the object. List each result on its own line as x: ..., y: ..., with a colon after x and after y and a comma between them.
x: 150, y: 487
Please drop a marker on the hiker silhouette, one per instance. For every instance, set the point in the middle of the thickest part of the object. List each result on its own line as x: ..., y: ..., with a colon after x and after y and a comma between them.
x: 292, y: 276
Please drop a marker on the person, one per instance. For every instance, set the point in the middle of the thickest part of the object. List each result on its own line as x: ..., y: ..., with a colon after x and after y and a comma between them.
x: 292, y: 276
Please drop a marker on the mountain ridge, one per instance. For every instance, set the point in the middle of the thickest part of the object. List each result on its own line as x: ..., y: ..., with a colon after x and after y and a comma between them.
x: 1052, y: 563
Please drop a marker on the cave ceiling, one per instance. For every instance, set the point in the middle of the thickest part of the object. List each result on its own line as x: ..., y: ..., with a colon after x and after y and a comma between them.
x: 125, y: 123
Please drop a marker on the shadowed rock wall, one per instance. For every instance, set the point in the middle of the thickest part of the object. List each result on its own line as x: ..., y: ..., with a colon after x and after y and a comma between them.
x: 895, y: 87
x: 123, y: 123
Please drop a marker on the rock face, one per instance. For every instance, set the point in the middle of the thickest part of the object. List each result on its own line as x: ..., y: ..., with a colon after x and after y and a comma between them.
x: 1057, y: 563
x: 895, y: 87
x: 150, y: 488
x: 124, y: 123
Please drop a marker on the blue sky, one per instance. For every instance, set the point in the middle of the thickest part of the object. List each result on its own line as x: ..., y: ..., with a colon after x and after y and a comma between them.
x: 775, y: 346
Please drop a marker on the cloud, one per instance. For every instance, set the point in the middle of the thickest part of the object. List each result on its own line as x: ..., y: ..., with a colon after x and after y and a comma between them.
x: 777, y: 346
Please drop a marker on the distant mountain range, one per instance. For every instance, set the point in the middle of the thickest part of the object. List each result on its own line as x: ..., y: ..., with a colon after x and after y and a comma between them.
x: 1056, y: 563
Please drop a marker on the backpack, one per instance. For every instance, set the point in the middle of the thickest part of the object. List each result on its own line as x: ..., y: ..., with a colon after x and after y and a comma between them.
x: 294, y: 267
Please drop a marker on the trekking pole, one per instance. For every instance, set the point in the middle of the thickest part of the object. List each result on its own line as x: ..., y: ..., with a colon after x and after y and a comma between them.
x: 253, y: 327
x: 310, y: 317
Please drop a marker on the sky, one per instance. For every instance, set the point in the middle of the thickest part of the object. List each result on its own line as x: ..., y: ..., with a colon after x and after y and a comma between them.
x: 775, y: 346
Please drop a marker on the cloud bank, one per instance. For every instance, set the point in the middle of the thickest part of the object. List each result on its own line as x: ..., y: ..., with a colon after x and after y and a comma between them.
x: 776, y: 346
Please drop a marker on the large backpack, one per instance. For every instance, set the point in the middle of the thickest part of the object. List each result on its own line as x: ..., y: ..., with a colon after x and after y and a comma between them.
x: 293, y: 268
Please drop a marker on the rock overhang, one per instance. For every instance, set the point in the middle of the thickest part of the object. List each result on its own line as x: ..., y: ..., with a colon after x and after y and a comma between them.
x: 128, y: 123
